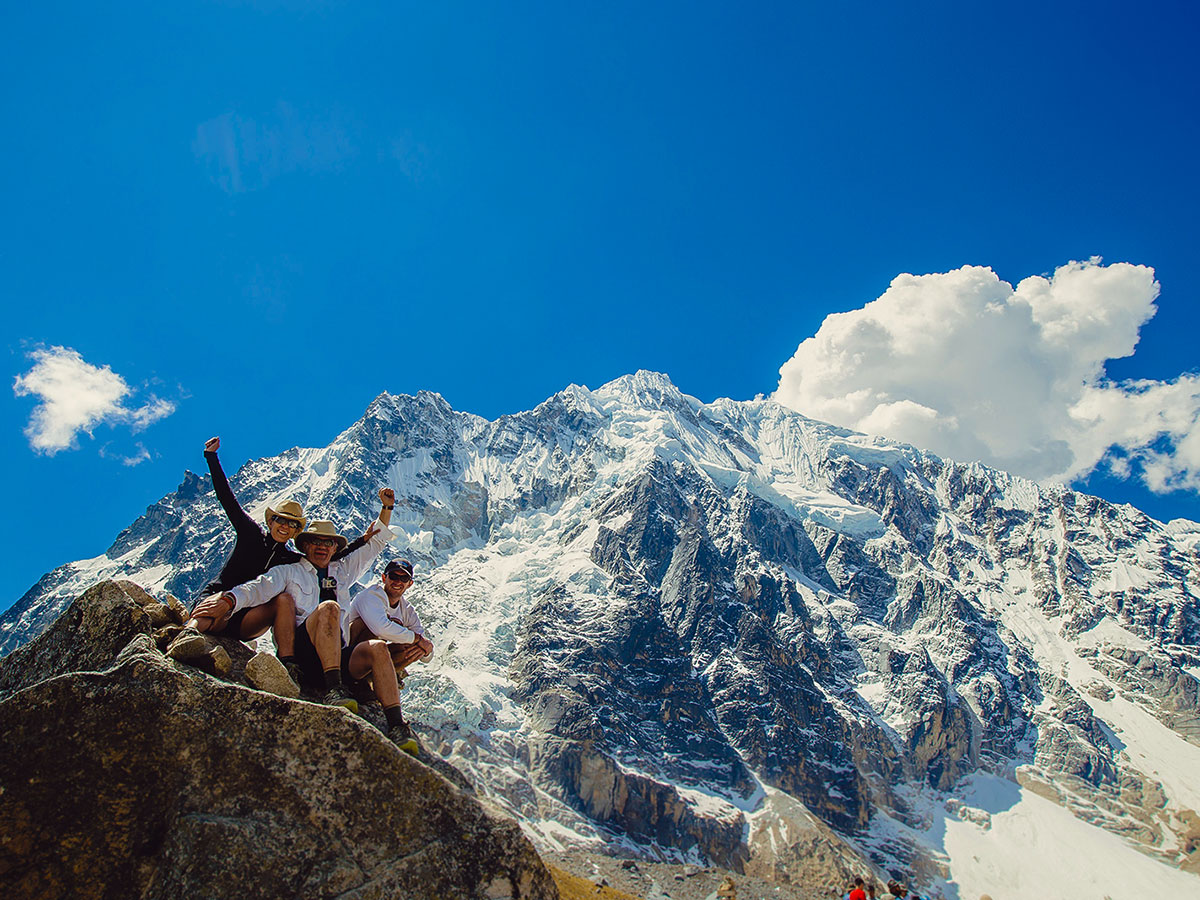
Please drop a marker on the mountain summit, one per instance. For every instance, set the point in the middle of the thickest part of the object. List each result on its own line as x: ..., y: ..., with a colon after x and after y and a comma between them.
x: 727, y: 633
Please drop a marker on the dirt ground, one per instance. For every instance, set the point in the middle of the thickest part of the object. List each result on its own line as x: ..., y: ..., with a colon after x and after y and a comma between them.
x: 672, y: 881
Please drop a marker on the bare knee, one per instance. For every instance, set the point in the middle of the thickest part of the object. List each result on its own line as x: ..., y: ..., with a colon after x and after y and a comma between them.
x: 284, y: 601
x: 380, y: 654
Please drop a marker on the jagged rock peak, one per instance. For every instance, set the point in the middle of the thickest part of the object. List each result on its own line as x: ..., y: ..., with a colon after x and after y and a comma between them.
x: 387, y: 405
x: 644, y: 388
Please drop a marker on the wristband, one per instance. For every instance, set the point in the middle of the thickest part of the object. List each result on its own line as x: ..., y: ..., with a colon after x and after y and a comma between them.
x: 393, y: 506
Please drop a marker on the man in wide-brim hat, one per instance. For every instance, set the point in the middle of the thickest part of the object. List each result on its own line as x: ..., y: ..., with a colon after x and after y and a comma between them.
x: 318, y: 588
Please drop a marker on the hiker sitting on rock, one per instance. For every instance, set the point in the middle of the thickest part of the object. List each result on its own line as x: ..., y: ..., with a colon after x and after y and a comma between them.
x: 383, y: 634
x: 254, y: 552
x: 318, y: 589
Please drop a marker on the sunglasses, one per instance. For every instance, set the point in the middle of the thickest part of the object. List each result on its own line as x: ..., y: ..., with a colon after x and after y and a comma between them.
x: 289, y: 523
x: 398, y: 576
x: 323, y: 542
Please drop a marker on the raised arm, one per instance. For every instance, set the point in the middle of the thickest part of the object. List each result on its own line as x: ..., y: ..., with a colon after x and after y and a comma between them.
x: 237, y: 516
x: 354, y: 564
x: 387, y: 502
x: 361, y: 541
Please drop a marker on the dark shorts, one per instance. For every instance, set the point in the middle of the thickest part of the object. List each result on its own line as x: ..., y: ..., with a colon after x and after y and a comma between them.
x: 349, y: 679
x: 233, y: 625
x: 312, y: 673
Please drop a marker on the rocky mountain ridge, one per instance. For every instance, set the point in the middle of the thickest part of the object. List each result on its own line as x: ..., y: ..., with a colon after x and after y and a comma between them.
x: 724, y: 631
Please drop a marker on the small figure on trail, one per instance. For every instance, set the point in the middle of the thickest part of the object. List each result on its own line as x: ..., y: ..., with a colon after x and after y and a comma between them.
x: 857, y: 893
x: 316, y: 590
x: 383, y: 634
x: 254, y: 552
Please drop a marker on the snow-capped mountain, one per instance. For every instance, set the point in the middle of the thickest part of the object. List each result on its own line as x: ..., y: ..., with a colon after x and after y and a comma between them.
x: 730, y: 633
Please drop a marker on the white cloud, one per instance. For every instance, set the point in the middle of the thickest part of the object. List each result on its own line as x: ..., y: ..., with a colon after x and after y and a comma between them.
x: 137, y: 459
x: 75, y: 396
x: 147, y: 415
x: 245, y: 154
x: 962, y: 364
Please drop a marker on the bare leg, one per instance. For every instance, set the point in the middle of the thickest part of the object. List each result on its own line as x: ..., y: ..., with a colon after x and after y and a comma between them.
x: 256, y: 621
x: 373, y: 657
x: 325, y: 628
x: 285, y: 624
x: 376, y: 657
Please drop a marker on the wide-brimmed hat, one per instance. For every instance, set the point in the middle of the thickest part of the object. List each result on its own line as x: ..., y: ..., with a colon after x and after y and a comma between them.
x: 289, y: 509
x: 320, y: 528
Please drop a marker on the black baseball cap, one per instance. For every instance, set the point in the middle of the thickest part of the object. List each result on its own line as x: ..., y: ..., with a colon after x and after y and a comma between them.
x: 399, y: 565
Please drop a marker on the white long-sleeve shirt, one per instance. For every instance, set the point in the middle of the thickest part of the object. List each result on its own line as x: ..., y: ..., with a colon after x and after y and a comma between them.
x: 399, y: 624
x: 300, y: 579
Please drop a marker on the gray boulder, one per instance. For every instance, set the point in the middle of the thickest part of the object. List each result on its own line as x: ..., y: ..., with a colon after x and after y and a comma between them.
x: 147, y: 778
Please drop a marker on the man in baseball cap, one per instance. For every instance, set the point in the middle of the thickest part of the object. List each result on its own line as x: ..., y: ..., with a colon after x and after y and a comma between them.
x: 383, y: 634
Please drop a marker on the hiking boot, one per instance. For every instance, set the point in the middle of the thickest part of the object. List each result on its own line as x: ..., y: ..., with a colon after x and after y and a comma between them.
x: 337, y: 696
x: 189, y: 646
x: 401, y: 735
x: 361, y: 691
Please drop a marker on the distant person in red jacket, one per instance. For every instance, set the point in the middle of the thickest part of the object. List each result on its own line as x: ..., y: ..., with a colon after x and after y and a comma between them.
x: 254, y: 552
x: 858, y: 893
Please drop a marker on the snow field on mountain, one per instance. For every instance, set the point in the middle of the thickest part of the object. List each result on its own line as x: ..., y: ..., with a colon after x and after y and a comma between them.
x: 1146, y: 744
x: 994, y: 837
x: 1034, y: 848
x: 1152, y: 748
x: 78, y: 576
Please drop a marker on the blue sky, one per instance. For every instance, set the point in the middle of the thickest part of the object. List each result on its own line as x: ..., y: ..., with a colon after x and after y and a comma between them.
x: 264, y: 214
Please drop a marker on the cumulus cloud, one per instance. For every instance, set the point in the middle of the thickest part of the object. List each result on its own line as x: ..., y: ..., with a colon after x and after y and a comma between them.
x: 962, y: 364
x: 74, y: 396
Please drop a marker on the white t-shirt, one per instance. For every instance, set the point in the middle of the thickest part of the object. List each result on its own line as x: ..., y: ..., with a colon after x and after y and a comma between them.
x: 398, y: 624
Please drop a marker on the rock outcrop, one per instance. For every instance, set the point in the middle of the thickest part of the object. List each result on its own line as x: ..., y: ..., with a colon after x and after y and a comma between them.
x: 126, y: 774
